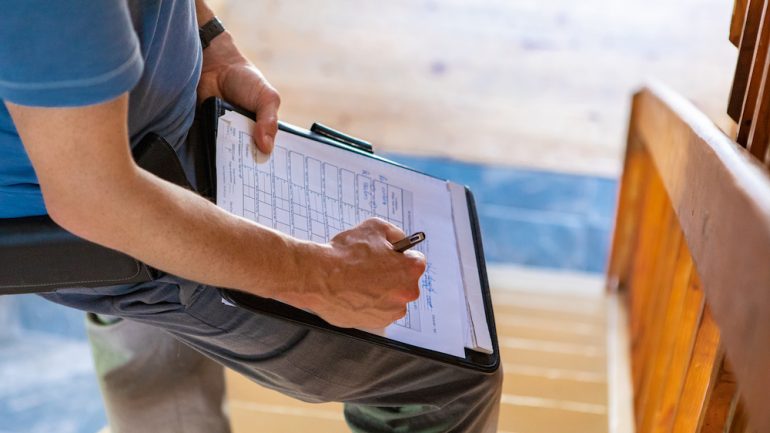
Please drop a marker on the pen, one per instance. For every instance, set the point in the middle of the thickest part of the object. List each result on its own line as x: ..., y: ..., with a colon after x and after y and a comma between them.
x: 409, y: 242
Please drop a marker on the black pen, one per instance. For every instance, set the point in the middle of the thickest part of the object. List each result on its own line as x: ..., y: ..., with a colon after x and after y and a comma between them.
x: 409, y: 242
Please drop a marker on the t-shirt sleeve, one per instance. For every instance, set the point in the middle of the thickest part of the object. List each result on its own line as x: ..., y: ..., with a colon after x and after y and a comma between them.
x: 67, y: 52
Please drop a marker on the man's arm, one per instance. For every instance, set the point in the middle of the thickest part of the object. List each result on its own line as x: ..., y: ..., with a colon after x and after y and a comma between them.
x: 228, y: 74
x: 93, y: 188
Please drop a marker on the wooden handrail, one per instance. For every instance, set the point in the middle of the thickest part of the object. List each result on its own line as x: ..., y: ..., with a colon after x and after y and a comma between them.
x: 720, y: 195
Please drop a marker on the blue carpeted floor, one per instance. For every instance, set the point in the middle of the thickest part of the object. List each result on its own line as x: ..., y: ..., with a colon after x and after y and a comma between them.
x: 535, y: 218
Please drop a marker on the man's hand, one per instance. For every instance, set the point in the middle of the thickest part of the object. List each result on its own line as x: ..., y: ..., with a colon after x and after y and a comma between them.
x: 359, y: 280
x: 227, y: 74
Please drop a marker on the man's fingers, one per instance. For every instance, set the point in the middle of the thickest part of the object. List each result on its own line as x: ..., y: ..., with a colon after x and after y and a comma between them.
x: 418, y: 261
x: 399, y: 315
x: 245, y: 86
x: 412, y: 294
x: 266, y: 126
x: 392, y: 233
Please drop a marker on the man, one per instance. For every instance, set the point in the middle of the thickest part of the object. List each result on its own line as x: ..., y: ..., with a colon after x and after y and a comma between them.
x: 81, y: 81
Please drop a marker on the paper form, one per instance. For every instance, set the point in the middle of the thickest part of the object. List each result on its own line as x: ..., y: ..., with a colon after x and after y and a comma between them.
x: 313, y: 191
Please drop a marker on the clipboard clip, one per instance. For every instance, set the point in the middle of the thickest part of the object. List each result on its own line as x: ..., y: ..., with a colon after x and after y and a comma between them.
x: 339, y: 137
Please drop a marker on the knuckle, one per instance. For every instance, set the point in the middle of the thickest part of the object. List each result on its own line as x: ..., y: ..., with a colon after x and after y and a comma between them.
x: 378, y: 222
x: 413, y: 293
x: 275, y: 96
x: 419, y: 264
x: 415, y: 256
x: 406, y: 295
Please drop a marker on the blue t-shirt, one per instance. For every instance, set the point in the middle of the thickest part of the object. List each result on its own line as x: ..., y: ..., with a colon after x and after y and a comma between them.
x: 80, y: 52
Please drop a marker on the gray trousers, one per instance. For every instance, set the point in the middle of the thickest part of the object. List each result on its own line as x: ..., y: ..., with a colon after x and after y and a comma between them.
x: 154, y: 379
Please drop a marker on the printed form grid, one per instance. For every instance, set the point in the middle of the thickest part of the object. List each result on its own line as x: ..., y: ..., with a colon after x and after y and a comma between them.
x: 314, y: 200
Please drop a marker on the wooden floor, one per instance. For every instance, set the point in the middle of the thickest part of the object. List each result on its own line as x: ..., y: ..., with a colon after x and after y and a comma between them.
x: 543, y: 84
x: 554, y: 350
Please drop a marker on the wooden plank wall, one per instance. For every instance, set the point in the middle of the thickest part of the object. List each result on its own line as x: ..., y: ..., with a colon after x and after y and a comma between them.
x: 682, y: 378
x: 736, y: 24
x: 490, y: 81
x: 749, y: 102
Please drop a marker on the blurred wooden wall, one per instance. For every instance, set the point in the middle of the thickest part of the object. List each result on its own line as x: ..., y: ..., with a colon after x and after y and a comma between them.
x: 526, y: 82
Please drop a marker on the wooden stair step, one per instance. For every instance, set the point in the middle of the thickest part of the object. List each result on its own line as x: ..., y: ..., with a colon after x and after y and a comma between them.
x: 555, y: 389
x: 522, y: 415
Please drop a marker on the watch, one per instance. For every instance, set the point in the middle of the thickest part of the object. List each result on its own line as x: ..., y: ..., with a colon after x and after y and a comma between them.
x: 210, y: 30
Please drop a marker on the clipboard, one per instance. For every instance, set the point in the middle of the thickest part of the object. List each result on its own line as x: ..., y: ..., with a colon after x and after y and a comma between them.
x: 207, y: 121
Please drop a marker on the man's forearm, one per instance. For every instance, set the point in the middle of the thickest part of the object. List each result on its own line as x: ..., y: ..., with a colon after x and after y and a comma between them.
x: 179, y: 232
x: 203, y: 12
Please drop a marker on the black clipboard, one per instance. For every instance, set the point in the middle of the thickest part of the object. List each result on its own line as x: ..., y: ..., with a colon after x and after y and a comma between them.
x: 207, y: 121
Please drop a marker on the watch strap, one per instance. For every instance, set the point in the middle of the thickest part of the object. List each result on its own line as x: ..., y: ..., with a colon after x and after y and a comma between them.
x: 210, y: 30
